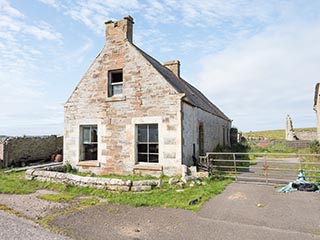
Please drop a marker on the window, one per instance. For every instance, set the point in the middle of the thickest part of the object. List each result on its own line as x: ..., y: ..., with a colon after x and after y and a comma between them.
x: 115, y: 83
x: 148, y: 144
x: 89, y: 143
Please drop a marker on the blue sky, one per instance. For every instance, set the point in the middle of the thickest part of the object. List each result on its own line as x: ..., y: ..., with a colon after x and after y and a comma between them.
x: 257, y: 60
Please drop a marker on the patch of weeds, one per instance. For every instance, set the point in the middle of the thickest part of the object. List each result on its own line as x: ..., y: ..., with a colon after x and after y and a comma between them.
x: 90, y: 201
x: 46, y: 221
x: 12, y: 211
x: 15, y: 183
x: 61, y: 197
x: 314, y: 147
x: 70, y: 169
x: 168, y: 197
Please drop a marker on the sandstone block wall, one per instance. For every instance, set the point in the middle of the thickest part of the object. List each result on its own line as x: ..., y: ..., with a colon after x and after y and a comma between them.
x: 213, y: 131
x: 13, y: 151
x: 112, y: 184
x: 306, y: 135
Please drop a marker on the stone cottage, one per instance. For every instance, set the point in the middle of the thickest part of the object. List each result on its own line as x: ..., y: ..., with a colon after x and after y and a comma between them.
x: 131, y: 114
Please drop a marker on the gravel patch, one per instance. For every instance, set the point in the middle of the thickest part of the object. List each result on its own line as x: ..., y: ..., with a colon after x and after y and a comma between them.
x: 29, y: 205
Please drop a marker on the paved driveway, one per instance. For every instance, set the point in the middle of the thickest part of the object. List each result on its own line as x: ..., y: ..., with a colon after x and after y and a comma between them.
x: 261, y: 205
x: 243, y: 211
x: 15, y: 228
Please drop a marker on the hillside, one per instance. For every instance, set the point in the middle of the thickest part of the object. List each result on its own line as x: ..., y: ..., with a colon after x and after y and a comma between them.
x: 273, y: 134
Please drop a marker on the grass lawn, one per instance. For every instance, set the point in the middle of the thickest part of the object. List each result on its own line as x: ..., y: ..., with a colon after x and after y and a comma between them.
x: 170, y: 196
x: 274, y: 134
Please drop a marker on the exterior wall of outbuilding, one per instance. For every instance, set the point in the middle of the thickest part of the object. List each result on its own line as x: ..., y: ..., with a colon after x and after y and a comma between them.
x: 213, y: 132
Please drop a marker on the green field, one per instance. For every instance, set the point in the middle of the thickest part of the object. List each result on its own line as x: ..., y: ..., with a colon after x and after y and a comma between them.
x: 273, y: 134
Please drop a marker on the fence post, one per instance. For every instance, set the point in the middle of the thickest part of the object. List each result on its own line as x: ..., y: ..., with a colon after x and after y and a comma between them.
x: 300, y: 164
x: 235, y: 166
x: 208, y: 160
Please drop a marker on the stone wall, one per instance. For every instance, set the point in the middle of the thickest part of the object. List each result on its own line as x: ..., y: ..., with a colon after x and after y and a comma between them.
x: 306, y: 135
x: 21, y: 150
x: 112, y: 184
x: 264, y: 143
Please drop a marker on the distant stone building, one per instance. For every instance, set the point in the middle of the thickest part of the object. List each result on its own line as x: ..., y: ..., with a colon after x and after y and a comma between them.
x: 290, y: 133
x: 131, y: 114
x: 298, y: 134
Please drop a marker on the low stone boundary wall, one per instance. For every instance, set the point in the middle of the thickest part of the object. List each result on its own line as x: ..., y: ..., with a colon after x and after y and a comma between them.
x: 112, y: 184
x: 21, y: 151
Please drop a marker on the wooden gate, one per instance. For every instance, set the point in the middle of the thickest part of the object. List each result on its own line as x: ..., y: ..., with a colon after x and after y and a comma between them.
x: 266, y: 168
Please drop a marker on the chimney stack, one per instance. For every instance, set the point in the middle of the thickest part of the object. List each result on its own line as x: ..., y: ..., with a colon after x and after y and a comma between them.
x: 174, y: 66
x: 120, y: 30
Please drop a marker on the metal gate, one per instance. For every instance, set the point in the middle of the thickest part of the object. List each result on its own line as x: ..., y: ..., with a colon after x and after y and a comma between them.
x: 266, y: 168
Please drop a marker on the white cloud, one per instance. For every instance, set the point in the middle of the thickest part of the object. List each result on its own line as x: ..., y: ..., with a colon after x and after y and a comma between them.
x: 94, y: 12
x: 261, y: 79
x: 80, y: 54
x: 43, y: 31
x: 22, y: 90
x: 52, y: 3
x: 6, y: 8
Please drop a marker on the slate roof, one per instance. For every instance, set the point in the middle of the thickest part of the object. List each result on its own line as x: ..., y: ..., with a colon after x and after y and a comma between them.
x: 192, y: 95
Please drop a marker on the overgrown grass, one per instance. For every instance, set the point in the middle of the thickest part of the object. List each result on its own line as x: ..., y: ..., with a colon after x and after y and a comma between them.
x: 61, y: 197
x: 16, y: 183
x: 273, y: 148
x: 166, y: 196
x: 268, y: 134
x: 169, y: 197
x: 273, y: 134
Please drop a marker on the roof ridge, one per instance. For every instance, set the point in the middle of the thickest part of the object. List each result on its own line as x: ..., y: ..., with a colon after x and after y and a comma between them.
x: 194, y: 96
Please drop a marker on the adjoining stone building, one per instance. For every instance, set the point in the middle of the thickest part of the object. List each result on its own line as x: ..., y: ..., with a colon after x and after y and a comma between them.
x: 131, y: 114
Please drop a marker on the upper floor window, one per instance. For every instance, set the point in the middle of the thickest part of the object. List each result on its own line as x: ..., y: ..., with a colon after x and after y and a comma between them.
x: 115, y: 83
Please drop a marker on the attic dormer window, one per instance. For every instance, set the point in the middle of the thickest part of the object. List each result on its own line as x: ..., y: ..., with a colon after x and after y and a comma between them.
x: 115, y: 83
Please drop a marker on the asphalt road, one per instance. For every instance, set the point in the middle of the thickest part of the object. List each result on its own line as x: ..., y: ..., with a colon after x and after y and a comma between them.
x: 243, y: 211
x: 16, y: 228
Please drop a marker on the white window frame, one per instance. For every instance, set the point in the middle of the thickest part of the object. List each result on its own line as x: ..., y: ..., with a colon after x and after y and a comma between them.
x: 112, y: 84
x: 83, y: 143
x: 148, y: 143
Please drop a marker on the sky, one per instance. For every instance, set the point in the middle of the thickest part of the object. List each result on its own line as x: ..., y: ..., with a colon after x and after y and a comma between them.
x: 256, y: 60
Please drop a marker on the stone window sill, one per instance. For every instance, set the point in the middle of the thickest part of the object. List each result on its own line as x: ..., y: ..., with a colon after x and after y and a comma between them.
x: 151, y: 167
x: 116, y: 99
x: 93, y: 163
